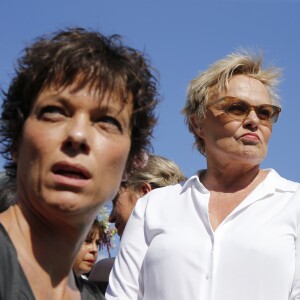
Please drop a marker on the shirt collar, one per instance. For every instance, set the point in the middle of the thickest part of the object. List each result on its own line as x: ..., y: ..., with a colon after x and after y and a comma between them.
x: 272, y: 182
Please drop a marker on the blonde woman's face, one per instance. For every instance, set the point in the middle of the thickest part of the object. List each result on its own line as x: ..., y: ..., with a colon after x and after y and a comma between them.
x: 123, y: 205
x: 229, y: 140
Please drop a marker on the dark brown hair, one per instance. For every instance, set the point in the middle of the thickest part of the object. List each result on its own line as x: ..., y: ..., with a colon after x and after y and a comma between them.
x: 89, y: 59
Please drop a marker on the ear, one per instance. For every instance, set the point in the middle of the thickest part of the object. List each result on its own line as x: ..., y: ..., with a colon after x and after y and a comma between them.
x: 145, y: 188
x: 197, y: 126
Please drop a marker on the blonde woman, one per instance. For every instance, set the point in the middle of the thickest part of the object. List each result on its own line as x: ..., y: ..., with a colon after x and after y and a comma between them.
x: 230, y: 232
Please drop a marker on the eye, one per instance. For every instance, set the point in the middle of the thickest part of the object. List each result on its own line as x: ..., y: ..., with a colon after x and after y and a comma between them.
x: 265, y: 112
x: 110, y: 123
x: 237, y: 108
x: 88, y: 240
x: 51, y: 113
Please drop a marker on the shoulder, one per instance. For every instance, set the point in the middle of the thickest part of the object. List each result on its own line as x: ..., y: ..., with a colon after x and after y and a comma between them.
x: 13, y: 283
x: 8, y: 252
x: 171, y: 193
x: 171, y: 190
x: 156, y: 198
x: 101, y: 270
x: 281, y: 184
x: 88, y: 290
x: 164, y: 203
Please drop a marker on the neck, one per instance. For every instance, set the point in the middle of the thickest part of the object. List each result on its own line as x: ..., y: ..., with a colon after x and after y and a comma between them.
x: 230, y: 178
x: 43, y: 246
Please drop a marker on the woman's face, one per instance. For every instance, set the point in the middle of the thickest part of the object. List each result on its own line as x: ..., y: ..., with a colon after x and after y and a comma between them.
x: 72, y: 153
x: 227, y: 140
x: 88, y: 253
x: 123, y: 204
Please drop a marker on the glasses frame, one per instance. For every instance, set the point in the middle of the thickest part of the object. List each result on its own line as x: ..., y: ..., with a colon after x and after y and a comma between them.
x: 272, y: 120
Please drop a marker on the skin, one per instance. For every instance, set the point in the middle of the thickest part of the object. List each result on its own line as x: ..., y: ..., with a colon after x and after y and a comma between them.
x: 71, y: 158
x: 245, y: 142
x: 66, y: 136
x: 234, y: 149
x: 88, y: 253
x: 123, y: 205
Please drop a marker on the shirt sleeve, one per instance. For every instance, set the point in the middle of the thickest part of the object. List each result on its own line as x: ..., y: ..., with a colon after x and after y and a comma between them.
x: 295, y: 293
x: 124, y: 279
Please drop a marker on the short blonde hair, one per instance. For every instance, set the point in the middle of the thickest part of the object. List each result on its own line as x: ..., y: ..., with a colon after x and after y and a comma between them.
x: 215, y: 80
x: 158, y: 172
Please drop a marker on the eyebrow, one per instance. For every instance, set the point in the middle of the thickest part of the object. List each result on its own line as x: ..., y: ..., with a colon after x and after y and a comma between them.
x: 110, y: 106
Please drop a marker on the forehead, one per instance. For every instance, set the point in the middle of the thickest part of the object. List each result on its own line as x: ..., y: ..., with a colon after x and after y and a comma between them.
x: 94, y: 232
x: 247, y: 88
x: 123, y: 196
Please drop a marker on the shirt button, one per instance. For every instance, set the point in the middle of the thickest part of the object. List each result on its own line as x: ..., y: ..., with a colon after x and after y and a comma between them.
x: 207, y: 276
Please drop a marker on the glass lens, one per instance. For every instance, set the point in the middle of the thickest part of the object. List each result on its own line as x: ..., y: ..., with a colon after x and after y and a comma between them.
x: 265, y: 112
x: 237, y: 109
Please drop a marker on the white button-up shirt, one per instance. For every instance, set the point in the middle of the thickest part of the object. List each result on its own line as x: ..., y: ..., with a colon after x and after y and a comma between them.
x: 169, y: 251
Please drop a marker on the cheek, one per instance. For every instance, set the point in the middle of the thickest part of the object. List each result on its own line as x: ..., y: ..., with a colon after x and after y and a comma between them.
x: 267, y: 132
x: 111, y: 158
x: 123, y: 209
x: 33, y: 147
x: 115, y: 151
x: 35, y: 142
x: 83, y: 251
x: 78, y: 258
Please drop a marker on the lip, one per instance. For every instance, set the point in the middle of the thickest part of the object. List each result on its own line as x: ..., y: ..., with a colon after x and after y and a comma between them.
x: 70, y: 174
x: 251, y: 136
x: 91, y: 261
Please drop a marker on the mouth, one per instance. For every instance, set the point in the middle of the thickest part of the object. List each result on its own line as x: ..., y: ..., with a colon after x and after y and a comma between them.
x: 251, y: 136
x: 73, y: 171
x: 91, y: 261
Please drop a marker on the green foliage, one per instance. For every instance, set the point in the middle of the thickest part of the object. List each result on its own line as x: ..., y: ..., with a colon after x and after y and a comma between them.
x: 108, y: 236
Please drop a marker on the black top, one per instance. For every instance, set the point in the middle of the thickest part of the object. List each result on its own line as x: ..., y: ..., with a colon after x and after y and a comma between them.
x: 13, y: 282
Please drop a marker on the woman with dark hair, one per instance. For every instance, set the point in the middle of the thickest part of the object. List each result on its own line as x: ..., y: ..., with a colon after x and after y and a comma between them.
x: 76, y: 119
x: 88, y: 253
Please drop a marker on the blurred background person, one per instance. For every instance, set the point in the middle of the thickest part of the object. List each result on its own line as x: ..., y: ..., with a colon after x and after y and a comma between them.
x: 231, y: 231
x: 158, y: 172
x: 76, y: 119
x: 7, y: 192
x: 88, y: 253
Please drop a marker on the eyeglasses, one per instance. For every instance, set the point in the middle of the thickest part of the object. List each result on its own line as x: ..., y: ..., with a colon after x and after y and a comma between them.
x: 239, y: 110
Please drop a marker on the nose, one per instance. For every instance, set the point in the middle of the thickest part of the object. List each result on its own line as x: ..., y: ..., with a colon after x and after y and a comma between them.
x: 251, y: 120
x: 77, y: 135
x: 94, y: 247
